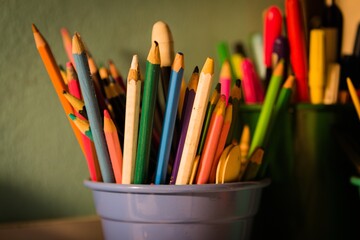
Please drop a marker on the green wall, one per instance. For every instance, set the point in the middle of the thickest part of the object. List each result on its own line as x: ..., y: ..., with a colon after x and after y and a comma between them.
x: 42, y: 167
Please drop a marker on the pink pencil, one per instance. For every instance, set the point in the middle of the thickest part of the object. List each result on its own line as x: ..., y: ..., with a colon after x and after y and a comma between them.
x: 225, y: 80
x: 253, y: 90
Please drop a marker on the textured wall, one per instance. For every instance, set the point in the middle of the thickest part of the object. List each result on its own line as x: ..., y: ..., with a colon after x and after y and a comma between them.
x: 41, y: 165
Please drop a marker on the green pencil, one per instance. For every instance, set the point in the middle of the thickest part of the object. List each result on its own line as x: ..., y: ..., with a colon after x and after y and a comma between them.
x: 266, y: 112
x: 151, y: 82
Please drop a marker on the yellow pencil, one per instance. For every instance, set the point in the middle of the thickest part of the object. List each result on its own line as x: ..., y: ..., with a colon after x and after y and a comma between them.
x: 354, y: 96
x: 195, y: 123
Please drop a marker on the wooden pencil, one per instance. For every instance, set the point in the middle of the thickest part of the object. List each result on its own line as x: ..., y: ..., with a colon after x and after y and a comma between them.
x: 113, y: 145
x: 354, y: 96
x: 131, y: 128
x: 236, y: 101
x: 95, y: 120
x: 244, y: 146
x: 115, y: 73
x: 169, y: 118
x: 181, y: 97
x: 225, y: 79
x: 147, y: 114
x: 66, y: 38
x: 222, y: 140
x: 77, y: 104
x: 196, y: 122
x: 189, y: 97
x: 255, y: 161
x: 83, y: 125
x: 211, y: 142
x: 266, y: 112
x: 89, y: 148
x: 209, y: 110
x: 55, y: 76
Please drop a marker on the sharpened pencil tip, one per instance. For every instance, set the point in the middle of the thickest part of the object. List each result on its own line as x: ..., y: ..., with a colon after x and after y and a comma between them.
x: 196, y: 69
x: 106, y: 114
x: 34, y: 28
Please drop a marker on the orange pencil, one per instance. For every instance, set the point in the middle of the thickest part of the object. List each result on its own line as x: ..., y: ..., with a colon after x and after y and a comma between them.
x: 211, y: 142
x: 56, y: 78
x: 222, y: 140
x: 113, y: 144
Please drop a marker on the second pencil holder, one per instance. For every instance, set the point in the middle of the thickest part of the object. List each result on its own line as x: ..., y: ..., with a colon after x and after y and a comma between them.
x: 208, y: 211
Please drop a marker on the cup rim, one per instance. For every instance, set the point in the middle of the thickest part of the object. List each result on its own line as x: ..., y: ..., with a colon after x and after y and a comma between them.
x: 175, y: 189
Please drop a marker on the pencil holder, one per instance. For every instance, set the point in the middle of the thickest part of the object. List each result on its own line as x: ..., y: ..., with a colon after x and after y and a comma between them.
x: 310, y: 196
x: 206, y: 211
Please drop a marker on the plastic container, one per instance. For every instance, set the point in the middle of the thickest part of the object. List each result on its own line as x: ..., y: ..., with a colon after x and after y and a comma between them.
x: 208, y: 211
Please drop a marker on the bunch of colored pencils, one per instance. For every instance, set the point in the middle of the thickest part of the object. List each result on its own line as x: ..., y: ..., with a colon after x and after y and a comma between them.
x: 161, y: 129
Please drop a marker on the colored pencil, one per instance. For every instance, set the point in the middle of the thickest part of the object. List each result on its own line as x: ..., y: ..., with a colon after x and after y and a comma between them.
x: 297, y: 43
x: 169, y: 118
x: 76, y: 103
x: 189, y: 97
x: 115, y: 73
x: 99, y: 90
x: 225, y: 80
x: 147, y: 114
x: 66, y: 38
x: 222, y: 140
x: 181, y: 97
x: 251, y: 85
x: 195, y: 122
x: 224, y: 55
x: 267, y: 108
x: 209, y: 110
x: 55, y: 76
x: 116, y: 100
x: 236, y: 100
x: 272, y: 29
x: 244, y: 146
x: 317, y: 66
x: 83, y: 126
x: 354, y: 96
x: 88, y: 91
x: 212, y: 139
x: 89, y: 148
x: 255, y: 161
x: 113, y: 145
x: 132, y: 112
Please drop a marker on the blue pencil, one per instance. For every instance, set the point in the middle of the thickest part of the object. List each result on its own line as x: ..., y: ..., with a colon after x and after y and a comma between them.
x: 92, y: 107
x: 167, y: 132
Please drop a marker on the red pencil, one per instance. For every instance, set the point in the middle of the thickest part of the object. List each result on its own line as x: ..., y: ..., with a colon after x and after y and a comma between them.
x: 298, y: 52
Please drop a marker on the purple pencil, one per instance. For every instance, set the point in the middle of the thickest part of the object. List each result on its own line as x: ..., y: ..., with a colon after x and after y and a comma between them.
x: 186, y: 113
